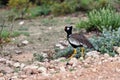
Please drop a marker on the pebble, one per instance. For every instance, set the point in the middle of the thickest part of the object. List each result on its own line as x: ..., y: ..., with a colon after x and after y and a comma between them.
x: 106, y: 55
x: 94, y: 54
x: 60, y: 46
x: 18, y: 52
x: 42, y: 69
x: 62, y: 69
x: 73, y: 62
x: 44, y: 54
x: 21, y: 22
x: 118, y: 50
x: 31, y: 69
x: 1, y: 74
x: 14, y: 77
x: 23, y: 76
x: 2, y: 78
x: 10, y: 63
x: 25, y: 42
x: 94, y: 69
x: 22, y: 66
x: 2, y: 60
x: 60, y: 59
x: 17, y: 64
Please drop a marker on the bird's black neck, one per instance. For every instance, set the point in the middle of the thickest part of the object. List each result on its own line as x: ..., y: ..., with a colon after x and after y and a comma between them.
x: 69, y: 33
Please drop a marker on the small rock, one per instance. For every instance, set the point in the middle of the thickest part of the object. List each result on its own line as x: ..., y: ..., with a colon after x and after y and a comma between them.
x: 2, y: 60
x: 73, y: 62
x: 23, y: 76
x: 5, y: 69
x: 1, y: 74
x: 50, y: 28
x: 18, y: 52
x: 42, y: 69
x: 94, y: 54
x: 52, y: 70
x: 2, y: 78
x: 64, y: 43
x: 25, y: 42
x: 14, y: 77
x: 60, y: 59
x: 17, y: 64
x: 60, y: 46
x: 99, y: 63
x: 106, y: 55
x: 105, y: 60
x: 45, y: 74
x: 8, y: 62
x: 117, y: 49
x: 102, y: 58
x: 88, y: 60
x: 13, y: 39
x: 81, y: 58
x: 32, y: 69
x: 62, y: 68
x: 22, y: 65
x: 21, y: 22
x: 86, y: 65
x: 46, y: 60
x: 116, y: 55
x: 117, y: 70
x: 44, y: 55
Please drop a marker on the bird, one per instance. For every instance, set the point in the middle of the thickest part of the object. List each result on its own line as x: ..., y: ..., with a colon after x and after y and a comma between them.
x: 77, y: 40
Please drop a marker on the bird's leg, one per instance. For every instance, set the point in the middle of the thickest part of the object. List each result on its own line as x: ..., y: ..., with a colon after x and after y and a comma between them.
x: 82, y: 52
x: 74, y: 53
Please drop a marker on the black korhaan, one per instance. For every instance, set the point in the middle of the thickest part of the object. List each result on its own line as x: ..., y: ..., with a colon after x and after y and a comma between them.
x: 77, y: 40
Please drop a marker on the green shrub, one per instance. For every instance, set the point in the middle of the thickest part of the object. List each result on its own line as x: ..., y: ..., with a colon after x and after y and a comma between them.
x: 100, y: 19
x: 63, y: 8
x: 49, y: 2
x: 18, y: 33
x: 106, y: 41
x: 19, y: 7
x: 6, y: 33
x: 93, y: 4
x: 39, y: 10
x: 38, y: 57
x: 17, y: 3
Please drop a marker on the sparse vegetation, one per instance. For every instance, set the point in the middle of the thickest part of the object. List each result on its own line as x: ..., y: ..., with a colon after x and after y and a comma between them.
x: 24, y: 8
x: 45, y: 52
x: 68, y: 52
x: 38, y: 57
x: 106, y: 41
x: 38, y: 11
x: 101, y: 19
x: 49, y: 21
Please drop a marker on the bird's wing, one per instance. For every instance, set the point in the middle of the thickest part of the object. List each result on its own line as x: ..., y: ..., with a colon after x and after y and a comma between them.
x: 81, y: 39
x: 74, y: 41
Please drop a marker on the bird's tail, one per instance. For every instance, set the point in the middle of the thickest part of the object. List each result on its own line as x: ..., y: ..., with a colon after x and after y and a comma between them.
x: 89, y: 45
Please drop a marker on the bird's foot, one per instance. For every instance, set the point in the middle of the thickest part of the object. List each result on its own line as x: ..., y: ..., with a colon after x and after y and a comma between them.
x: 74, y: 53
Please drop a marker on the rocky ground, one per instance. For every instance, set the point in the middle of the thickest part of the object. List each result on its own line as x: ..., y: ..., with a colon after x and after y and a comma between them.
x: 94, y: 67
x: 46, y: 33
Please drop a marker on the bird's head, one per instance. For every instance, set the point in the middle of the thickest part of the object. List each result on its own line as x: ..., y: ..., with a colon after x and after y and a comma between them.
x: 68, y: 29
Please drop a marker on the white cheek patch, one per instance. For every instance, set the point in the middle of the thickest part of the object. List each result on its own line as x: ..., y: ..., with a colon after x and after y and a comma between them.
x: 68, y: 28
